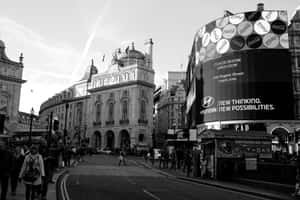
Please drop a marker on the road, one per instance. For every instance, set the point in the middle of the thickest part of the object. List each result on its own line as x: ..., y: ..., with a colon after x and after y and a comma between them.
x: 100, y: 177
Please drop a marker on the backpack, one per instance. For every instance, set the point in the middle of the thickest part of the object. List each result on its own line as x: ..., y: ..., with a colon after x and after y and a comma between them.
x: 31, y: 174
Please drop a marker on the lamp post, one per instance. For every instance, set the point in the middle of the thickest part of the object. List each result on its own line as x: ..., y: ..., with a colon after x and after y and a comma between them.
x: 65, y: 128
x: 30, y: 126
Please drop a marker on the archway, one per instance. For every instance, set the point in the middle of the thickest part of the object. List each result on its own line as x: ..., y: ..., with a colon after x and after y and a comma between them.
x: 110, y: 140
x: 97, y: 139
x: 124, y: 140
x: 280, y: 139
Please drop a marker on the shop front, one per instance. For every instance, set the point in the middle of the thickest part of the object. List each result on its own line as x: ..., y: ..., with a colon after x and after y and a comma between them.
x: 227, y: 153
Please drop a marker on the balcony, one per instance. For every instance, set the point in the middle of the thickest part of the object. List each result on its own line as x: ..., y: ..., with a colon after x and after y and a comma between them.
x: 124, y: 121
x: 143, y: 121
x: 112, y: 122
x: 97, y: 123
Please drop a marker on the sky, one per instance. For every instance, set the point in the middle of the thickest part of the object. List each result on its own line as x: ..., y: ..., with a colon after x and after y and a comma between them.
x: 58, y: 38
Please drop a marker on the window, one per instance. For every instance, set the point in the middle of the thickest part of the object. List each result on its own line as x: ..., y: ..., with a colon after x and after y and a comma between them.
x: 296, y: 40
x: 98, y: 112
x: 143, y: 109
x: 125, y: 109
x: 296, y: 26
x: 111, y: 111
x: 141, y: 137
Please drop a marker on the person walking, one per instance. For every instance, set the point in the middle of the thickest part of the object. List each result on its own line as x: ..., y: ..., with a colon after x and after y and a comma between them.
x: 6, y: 160
x: 17, y: 162
x: 188, y: 162
x: 173, y: 160
x: 122, y: 158
x: 32, y: 172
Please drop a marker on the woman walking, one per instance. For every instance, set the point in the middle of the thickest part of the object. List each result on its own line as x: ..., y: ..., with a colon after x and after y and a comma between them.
x: 32, y: 172
x: 18, y: 160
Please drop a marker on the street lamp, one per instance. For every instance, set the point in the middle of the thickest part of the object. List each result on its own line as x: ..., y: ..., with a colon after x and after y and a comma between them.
x: 65, y: 129
x: 30, y: 126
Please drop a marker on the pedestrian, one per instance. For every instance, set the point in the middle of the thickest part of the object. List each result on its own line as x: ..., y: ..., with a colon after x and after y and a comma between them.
x: 146, y: 156
x: 152, y: 156
x: 203, y: 165
x: 166, y: 159
x: 161, y: 158
x: 297, y: 186
x: 122, y: 158
x: 17, y: 162
x: 173, y: 160
x: 188, y: 162
x: 6, y: 160
x: 32, y: 172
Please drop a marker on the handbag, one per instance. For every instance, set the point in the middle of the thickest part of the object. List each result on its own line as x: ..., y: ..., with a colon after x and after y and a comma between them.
x: 31, y: 174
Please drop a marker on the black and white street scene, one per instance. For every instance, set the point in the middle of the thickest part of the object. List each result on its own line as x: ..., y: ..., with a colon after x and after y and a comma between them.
x: 150, y: 100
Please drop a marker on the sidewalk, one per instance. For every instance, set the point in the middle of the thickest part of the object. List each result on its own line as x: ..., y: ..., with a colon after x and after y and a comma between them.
x: 51, y: 195
x: 252, y: 189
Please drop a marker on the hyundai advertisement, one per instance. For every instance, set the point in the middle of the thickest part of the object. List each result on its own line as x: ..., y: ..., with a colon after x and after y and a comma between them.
x: 245, y: 70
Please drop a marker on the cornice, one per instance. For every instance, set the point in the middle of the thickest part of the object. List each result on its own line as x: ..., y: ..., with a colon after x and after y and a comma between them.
x: 13, y: 79
x: 119, y: 85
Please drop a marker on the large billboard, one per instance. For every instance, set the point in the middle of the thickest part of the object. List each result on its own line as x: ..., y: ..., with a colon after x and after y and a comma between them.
x: 243, y: 64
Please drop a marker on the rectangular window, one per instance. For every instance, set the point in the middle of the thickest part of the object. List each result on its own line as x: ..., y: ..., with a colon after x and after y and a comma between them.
x: 296, y: 26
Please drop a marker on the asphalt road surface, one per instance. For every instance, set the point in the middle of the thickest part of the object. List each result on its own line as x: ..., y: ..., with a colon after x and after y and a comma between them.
x: 101, y: 178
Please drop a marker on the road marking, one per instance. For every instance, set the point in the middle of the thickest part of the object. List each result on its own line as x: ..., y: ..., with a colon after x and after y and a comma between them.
x: 65, y: 188
x: 151, y: 195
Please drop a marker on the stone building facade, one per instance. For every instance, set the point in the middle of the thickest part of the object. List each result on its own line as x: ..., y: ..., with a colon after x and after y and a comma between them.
x: 112, y: 109
x: 10, y: 89
x: 170, y: 111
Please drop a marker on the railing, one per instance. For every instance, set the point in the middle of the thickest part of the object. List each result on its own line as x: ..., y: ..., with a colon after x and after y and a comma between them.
x: 97, y: 123
x: 124, y: 121
x: 112, y: 122
x: 143, y: 121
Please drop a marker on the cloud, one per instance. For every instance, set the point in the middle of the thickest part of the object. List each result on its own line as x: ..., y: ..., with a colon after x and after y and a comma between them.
x: 47, y: 65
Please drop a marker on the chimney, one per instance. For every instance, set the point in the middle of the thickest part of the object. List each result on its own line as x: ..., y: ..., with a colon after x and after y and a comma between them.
x: 260, y: 7
x: 149, y: 53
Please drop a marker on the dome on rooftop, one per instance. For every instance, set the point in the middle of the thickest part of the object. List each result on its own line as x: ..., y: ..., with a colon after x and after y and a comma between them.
x: 132, y: 54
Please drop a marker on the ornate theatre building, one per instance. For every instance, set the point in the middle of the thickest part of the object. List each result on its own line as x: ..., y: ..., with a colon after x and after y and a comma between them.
x: 112, y: 109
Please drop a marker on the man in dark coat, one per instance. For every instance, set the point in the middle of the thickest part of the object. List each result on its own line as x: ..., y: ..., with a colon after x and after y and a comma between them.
x: 6, y: 160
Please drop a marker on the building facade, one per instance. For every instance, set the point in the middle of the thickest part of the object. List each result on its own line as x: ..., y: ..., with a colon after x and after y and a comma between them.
x: 170, y: 110
x: 294, y: 41
x: 112, y: 109
x: 10, y: 89
x: 174, y: 77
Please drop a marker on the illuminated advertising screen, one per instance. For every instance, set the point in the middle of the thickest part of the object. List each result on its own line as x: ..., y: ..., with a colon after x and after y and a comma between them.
x: 243, y: 63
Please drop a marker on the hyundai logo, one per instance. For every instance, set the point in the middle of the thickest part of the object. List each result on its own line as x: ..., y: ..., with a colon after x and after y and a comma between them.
x: 208, y: 101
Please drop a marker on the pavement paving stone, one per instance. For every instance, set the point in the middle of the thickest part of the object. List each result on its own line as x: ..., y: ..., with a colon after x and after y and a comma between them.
x: 20, y: 193
x: 221, y: 184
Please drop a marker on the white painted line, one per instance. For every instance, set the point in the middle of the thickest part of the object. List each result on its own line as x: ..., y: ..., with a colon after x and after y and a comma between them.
x: 151, y: 195
x: 65, y: 188
x: 62, y: 189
